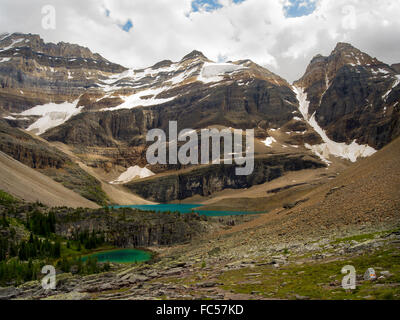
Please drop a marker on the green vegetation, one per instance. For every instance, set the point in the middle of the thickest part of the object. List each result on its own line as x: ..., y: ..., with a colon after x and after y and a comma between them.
x: 41, y: 224
x: 77, y: 265
x: 358, y: 238
x: 17, y: 272
x: 28, y: 242
x: 364, y: 237
x: 320, y: 280
x: 6, y: 199
x: 36, y: 248
x: 78, y: 180
x: 89, y: 240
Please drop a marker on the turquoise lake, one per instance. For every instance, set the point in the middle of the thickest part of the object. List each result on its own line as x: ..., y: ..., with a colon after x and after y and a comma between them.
x: 186, y: 208
x: 121, y: 256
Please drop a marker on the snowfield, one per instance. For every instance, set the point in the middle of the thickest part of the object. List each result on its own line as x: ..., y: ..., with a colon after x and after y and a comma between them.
x: 131, y: 173
x: 142, y: 98
x: 174, y: 74
x: 213, y: 72
x: 350, y: 152
x: 51, y: 115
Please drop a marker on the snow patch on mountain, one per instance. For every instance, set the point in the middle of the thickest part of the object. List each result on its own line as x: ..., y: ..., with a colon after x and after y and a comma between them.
x: 351, y: 152
x: 142, y: 98
x: 4, y: 35
x: 51, y: 115
x: 131, y: 173
x: 269, y: 141
x: 214, y: 72
x: 395, y: 84
x: 14, y: 42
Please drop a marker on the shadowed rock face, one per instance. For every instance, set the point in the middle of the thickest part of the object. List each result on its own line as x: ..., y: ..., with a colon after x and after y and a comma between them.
x: 396, y: 67
x: 33, y: 153
x: 197, y: 106
x: 207, y: 180
x: 131, y: 228
x: 354, y: 96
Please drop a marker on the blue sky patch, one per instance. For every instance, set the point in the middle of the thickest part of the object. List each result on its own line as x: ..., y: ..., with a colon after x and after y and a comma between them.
x: 208, y: 5
x: 299, y: 8
x: 127, y: 26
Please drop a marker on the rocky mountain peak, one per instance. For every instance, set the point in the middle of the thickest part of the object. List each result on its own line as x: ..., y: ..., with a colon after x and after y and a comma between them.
x: 343, y: 46
x: 36, y: 44
x: 351, y: 94
x: 39, y: 72
x: 318, y: 58
x: 323, y: 69
x: 345, y: 53
x: 195, y: 55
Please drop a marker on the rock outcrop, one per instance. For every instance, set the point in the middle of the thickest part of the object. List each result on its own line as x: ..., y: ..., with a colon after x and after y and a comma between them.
x: 209, y: 179
x: 132, y: 228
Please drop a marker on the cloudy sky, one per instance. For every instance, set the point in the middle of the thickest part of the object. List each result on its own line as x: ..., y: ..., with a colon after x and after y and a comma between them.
x: 282, y: 35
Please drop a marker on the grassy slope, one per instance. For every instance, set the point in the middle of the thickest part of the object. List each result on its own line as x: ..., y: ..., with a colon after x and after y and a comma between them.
x: 320, y: 280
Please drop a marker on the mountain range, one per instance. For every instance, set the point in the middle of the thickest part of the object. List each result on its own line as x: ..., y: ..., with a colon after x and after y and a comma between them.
x: 85, y: 119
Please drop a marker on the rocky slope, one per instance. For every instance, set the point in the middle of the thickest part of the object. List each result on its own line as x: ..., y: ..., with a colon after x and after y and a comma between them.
x: 25, y: 183
x: 39, y: 155
x: 353, y: 96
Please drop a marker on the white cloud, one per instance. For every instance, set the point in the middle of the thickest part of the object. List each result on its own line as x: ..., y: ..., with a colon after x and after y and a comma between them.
x: 255, y: 29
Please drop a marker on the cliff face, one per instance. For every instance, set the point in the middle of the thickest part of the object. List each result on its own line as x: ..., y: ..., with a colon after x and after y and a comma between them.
x: 22, y: 147
x: 132, y: 228
x: 207, y: 180
x: 354, y: 96
x: 196, y: 106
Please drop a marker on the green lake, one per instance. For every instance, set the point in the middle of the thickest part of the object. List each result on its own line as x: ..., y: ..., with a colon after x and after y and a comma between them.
x: 121, y: 256
x: 186, y: 208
